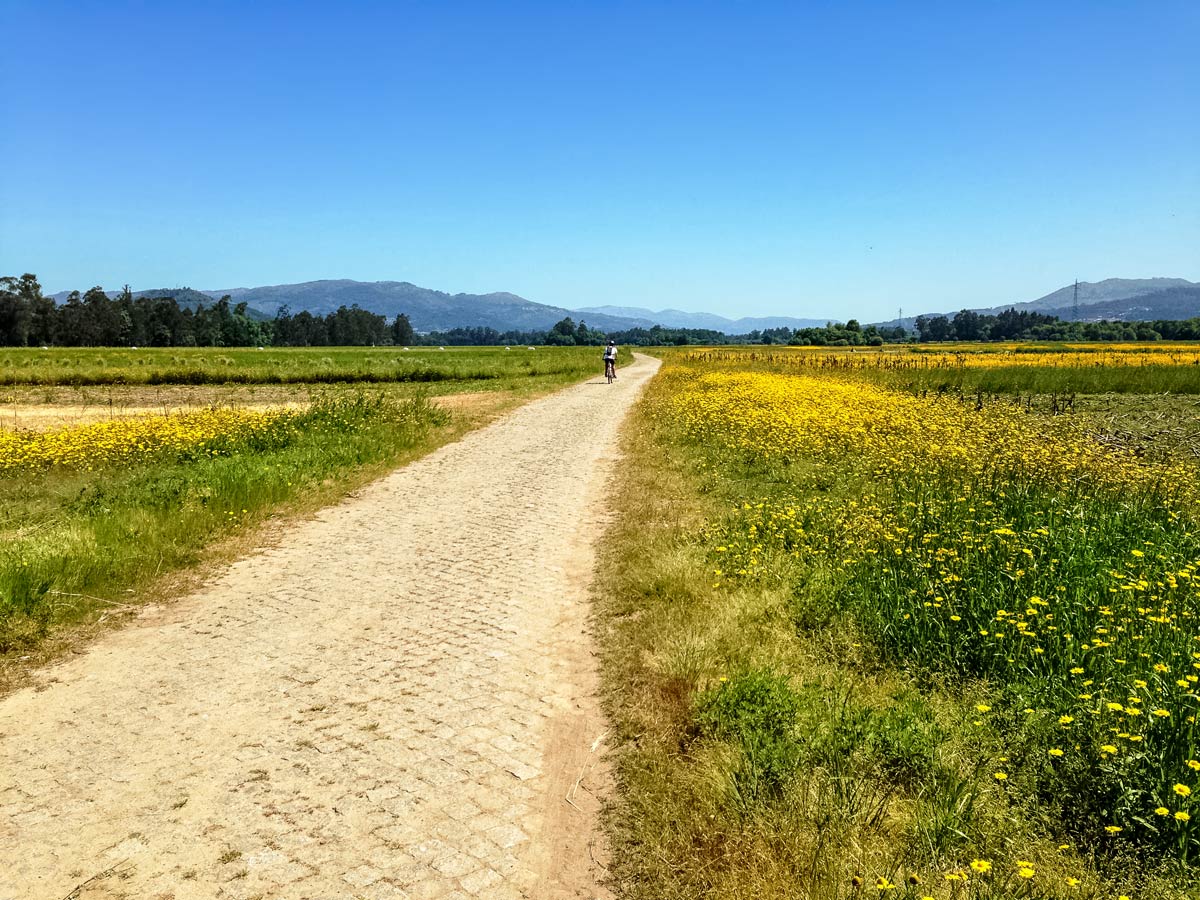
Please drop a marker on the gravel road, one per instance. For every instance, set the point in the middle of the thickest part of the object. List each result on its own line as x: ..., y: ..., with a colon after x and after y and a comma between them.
x: 394, y: 699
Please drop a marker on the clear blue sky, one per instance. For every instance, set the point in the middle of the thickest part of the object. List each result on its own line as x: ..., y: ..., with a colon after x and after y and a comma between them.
x: 810, y: 159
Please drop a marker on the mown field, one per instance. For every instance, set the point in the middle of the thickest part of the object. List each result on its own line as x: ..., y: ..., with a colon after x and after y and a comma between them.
x: 908, y: 624
x: 120, y: 468
x: 288, y: 365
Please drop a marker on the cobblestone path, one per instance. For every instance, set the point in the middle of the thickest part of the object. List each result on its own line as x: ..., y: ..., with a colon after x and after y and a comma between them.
x: 393, y: 701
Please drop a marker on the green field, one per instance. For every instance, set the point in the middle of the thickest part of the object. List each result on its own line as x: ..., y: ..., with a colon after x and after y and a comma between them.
x: 317, y: 365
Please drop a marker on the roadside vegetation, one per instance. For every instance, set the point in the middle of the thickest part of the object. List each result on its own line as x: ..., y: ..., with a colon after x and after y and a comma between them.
x: 864, y: 639
x: 205, y: 366
x: 122, y: 485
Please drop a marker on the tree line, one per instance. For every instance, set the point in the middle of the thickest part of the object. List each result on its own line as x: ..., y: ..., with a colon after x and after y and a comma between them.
x: 28, y: 318
x: 1011, y: 325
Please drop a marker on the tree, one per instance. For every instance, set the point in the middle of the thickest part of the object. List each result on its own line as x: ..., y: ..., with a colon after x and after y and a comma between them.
x: 968, y: 326
x: 14, y: 314
x: 562, y: 334
x: 402, y: 331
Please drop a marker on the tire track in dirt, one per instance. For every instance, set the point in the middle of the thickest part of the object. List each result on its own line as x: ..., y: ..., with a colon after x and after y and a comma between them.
x: 394, y: 701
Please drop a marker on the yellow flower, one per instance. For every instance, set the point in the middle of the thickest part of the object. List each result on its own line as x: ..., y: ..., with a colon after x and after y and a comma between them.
x: 1113, y: 829
x: 1183, y: 790
x: 981, y: 865
x: 1054, y: 751
x: 1182, y: 816
x: 1162, y: 811
x: 983, y: 707
x: 1000, y: 776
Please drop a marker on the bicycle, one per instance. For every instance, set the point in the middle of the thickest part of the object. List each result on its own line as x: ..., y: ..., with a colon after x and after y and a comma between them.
x: 610, y: 369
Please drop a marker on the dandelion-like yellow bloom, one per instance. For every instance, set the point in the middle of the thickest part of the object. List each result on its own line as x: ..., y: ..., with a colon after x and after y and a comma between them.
x: 207, y: 432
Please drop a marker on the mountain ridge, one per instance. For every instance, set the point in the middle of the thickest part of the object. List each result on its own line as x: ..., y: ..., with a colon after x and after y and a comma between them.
x: 677, y: 318
x: 1117, y: 299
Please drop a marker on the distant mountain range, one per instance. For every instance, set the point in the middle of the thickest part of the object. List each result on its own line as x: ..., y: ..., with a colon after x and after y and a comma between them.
x: 1114, y: 299
x: 1122, y: 299
x: 677, y: 318
x: 427, y: 310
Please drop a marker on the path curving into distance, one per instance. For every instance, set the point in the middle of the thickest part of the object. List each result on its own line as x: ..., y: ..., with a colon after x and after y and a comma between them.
x: 393, y: 701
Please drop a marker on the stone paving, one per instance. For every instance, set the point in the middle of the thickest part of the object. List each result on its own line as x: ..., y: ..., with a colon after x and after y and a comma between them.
x: 387, y: 703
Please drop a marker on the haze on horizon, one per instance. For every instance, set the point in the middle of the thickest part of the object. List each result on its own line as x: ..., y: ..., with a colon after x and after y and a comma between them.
x: 785, y: 159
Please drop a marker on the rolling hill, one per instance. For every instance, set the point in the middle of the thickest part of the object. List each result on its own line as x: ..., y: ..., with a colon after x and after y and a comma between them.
x: 677, y: 318
x: 1177, y: 302
x: 1114, y: 299
x: 428, y: 310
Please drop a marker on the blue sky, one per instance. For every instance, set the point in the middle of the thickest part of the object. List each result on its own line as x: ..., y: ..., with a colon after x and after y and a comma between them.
x: 809, y: 159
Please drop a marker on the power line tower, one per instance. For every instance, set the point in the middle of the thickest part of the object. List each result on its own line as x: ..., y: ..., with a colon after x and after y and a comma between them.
x: 1075, y: 303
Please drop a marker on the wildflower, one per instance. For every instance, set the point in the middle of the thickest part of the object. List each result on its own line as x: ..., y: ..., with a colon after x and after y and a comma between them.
x: 981, y: 865
x: 1183, y: 790
x: 1182, y: 816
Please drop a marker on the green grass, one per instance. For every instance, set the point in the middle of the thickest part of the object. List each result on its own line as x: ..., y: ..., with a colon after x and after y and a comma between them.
x: 316, y: 365
x: 71, y: 542
x: 799, y: 731
x: 1026, y: 381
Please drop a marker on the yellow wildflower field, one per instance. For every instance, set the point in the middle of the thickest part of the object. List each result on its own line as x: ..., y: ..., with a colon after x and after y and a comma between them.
x: 204, y: 432
x: 1050, y: 576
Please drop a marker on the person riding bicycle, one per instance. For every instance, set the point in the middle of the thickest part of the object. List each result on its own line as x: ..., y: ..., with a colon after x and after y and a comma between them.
x: 610, y: 360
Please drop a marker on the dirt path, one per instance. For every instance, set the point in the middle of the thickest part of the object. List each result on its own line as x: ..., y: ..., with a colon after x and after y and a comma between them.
x: 395, y: 701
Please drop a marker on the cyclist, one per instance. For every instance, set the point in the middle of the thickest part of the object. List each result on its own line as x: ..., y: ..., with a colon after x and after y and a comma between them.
x: 610, y: 360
